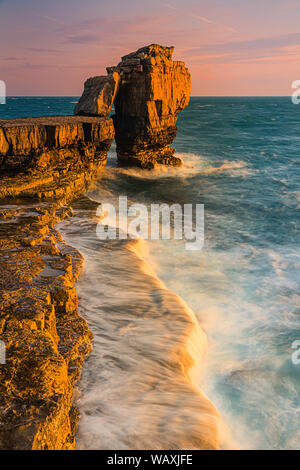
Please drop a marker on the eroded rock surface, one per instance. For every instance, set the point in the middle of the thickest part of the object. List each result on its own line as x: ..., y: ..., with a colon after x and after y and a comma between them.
x: 46, y: 340
x: 46, y: 163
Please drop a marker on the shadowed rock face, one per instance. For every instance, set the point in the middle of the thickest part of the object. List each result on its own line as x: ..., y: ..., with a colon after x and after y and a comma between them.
x: 98, y: 96
x: 151, y: 91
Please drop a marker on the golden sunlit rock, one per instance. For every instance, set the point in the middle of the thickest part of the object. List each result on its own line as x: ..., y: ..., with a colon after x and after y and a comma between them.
x: 45, y: 163
x: 153, y: 89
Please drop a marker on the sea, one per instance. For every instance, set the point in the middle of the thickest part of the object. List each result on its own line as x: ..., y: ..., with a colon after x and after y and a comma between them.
x: 194, y: 349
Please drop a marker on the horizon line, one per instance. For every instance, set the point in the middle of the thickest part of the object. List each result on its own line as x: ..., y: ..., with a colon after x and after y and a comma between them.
x: 192, y: 96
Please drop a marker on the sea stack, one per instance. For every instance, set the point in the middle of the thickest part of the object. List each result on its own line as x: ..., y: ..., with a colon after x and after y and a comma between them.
x: 98, y: 96
x: 148, y: 89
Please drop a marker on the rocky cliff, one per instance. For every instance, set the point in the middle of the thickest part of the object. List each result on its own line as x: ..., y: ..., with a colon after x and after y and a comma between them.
x: 150, y: 91
x: 45, y: 164
x: 98, y: 96
x: 45, y: 143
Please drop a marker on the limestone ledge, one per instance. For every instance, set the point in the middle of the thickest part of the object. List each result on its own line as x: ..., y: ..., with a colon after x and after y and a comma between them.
x: 46, y: 339
x: 64, y: 142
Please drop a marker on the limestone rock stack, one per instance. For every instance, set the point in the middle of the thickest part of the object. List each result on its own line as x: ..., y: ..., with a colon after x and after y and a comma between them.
x: 148, y: 91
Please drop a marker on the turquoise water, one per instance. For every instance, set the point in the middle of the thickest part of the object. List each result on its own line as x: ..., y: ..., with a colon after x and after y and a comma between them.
x: 241, y: 160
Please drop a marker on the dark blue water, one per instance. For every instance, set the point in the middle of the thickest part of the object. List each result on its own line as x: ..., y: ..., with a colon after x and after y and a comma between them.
x: 27, y: 106
x: 241, y: 160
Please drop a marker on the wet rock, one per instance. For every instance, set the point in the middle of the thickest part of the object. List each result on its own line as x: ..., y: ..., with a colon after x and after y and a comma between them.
x: 98, y: 95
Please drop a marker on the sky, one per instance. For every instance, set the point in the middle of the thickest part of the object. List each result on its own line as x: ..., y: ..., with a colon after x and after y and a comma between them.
x: 231, y: 47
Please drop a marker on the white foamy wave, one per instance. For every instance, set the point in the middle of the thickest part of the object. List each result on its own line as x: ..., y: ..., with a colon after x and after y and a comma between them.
x: 193, y: 164
x: 190, y: 167
x: 206, y: 106
x: 234, y: 169
x: 139, y: 388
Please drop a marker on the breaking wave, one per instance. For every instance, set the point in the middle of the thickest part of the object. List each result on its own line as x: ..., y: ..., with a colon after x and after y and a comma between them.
x: 139, y: 389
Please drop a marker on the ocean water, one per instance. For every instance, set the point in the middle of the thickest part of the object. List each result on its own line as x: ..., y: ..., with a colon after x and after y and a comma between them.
x: 32, y: 106
x: 192, y: 348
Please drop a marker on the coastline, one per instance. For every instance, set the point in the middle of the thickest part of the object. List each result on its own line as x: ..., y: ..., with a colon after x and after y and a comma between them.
x: 52, y: 158
x: 252, y: 363
x: 45, y: 338
x: 45, y: 164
